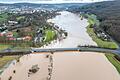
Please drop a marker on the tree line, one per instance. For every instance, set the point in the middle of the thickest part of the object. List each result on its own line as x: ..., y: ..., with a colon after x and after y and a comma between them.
x: 108, y: 13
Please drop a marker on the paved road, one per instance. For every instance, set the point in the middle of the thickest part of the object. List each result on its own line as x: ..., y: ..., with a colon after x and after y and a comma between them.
x: 81, y: 49
x: 52, y: 50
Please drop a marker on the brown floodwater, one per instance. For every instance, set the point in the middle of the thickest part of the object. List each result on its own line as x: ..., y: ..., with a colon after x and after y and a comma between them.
x: 83, y: 66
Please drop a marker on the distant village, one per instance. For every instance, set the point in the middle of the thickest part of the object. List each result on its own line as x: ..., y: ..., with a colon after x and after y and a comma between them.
x: 10, y: 35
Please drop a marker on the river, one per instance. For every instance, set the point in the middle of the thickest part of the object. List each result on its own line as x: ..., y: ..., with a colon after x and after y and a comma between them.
x: 76, y: 29
x: 66, y: 66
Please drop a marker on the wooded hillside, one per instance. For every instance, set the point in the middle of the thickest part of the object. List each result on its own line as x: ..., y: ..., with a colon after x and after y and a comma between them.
x: 109, y: 15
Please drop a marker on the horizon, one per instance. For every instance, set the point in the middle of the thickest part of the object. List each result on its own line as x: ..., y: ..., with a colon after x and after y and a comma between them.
x: 50, y: 1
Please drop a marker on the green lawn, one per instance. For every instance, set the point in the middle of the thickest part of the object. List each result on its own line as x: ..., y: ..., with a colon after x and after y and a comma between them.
x: 4, y: 46
x: 92, y: 19
x: 4, y: 60
x: 113, y: 60
x: 20, y: 17
x: 100, y: 42
x: 49, y: 35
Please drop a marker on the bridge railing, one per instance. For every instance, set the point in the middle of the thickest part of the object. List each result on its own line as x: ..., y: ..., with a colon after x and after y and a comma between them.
x: 55, y: 50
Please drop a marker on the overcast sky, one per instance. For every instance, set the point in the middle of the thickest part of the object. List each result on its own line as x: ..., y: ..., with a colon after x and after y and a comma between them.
x: 49, y: 1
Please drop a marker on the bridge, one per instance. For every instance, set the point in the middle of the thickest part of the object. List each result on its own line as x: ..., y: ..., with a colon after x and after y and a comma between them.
x: 56, y: 50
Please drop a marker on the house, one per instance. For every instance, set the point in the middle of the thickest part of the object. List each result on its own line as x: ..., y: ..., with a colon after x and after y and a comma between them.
x: 11, y: 38
x: 9, y: 34
x: 1, y: 35
x: 12, y: 23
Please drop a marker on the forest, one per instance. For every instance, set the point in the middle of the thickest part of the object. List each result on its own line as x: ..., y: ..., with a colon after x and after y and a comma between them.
x: 108, y: 13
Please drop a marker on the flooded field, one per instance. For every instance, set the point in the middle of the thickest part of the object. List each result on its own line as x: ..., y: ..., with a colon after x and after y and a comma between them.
x: 83, y: 66
x: 65, y: 66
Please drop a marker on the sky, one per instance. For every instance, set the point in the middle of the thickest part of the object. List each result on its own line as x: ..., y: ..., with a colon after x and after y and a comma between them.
x: 50, y: 1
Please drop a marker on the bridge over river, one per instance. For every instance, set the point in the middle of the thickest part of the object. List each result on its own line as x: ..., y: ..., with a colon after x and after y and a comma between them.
x: 55, y: 50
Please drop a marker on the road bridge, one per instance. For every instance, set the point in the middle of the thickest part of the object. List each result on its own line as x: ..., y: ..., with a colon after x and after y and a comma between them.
x: 56, y: 50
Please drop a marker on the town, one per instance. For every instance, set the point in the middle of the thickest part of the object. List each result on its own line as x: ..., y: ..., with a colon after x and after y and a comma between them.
x: 27, y: 28
x: 58, y: 40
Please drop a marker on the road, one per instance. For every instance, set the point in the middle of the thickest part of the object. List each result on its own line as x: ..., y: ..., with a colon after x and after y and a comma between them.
x: 52, y: 50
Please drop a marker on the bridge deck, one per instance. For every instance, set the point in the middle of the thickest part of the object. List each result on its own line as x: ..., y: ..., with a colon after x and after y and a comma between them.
x: 52, y: 50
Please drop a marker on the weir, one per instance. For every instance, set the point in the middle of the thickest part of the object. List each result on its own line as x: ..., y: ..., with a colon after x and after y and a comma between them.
x: 56, y: 50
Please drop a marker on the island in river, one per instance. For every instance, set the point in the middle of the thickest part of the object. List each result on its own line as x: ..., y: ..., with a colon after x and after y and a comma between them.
x: 65, y: 66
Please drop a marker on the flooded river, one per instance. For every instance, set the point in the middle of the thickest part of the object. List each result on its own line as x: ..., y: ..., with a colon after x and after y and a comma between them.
x: 76, y: 29
x: 65, y: 66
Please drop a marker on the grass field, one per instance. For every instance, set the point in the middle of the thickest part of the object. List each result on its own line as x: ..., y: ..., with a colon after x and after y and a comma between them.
x: 21, y: 17
x: 49, y: 34
x: 92, y: 19
x: 100, y: 42
x: 4, y: 46
x: 114, y: 61
x: 6, y: 59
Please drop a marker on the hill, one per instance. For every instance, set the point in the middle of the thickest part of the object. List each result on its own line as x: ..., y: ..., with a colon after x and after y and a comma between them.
x: 108, y: 14
x: 61, y: 6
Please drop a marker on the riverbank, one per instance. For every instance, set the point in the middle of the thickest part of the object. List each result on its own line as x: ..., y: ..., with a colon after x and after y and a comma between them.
x: 6, y: 59
x: 114, y: 61
x: 102, y: 43
x: 90, y: 30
